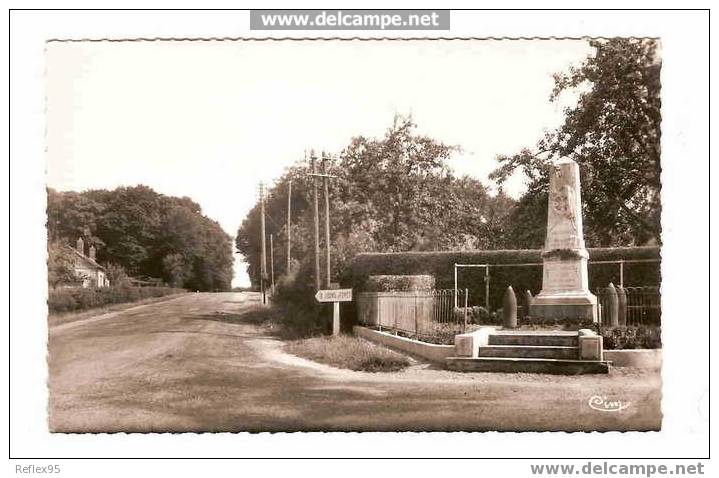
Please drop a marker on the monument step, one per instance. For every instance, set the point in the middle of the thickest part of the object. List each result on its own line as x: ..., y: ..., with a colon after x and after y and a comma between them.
x: 527, y: 365
x: 529, y: 351
x: 537, y: 339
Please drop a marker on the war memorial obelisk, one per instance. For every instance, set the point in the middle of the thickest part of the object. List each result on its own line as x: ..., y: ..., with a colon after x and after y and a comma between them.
x: 565, y: 282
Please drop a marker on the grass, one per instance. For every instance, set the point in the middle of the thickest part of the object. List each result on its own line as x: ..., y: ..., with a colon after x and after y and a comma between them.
x: 345, y: 351
x: 342, y: 351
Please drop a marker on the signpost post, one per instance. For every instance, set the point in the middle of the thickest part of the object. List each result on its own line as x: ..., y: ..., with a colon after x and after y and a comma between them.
x: 335, y: 296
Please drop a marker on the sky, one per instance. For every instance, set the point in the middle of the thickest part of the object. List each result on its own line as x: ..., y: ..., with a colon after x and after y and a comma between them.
x: 210, y: 120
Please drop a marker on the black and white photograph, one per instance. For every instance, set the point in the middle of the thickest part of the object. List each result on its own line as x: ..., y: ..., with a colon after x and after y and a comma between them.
x: 400, y: 231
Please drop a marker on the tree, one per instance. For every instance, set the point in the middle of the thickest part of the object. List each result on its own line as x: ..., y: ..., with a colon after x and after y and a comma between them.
x: 394, y: 193
x: 403, y: 179
x: 116, y: 274
x: 475, y: 219
x: 613, y: 132
x: 131, y: 227
x: 60, y: 265
x: 72, y: 215
x: 146, y: 234
x: 175, y: 268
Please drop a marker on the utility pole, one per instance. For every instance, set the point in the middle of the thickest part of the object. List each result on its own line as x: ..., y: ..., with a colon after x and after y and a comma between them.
x: 263, y: 264
x: 272, y: 265
x: 328, y: 278
x: 318, y: 279
x: 289, y: 227
x: 325, y: 183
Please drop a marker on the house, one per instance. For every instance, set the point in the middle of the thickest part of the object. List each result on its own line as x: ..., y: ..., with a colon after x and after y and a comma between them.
x: 87, y: 270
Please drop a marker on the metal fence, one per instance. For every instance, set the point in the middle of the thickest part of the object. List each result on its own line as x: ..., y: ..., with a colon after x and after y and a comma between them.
x: 424, y: 315
x: 489, y: 281
x: 642, y: 306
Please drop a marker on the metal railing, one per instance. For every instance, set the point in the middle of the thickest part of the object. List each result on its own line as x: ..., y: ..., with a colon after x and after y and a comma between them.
x: 488, y: 276
x: 642, y: 306
x: 424, y: 315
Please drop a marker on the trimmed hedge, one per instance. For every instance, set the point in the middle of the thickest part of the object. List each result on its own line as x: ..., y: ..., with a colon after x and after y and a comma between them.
x: 392, y: 283
x: 441, y: 266
x: 79, y: 298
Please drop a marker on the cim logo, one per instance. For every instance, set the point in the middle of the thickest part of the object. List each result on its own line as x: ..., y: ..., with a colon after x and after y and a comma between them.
x: 603, y: 404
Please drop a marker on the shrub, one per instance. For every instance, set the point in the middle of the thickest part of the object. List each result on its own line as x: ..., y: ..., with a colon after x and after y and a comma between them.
x: 133, y: 294
x: 146, y: 292
x: 631, y: 337
x: 299, y: 312
x: 116, y: 275
x: 443, y: 334
x: 565, y: 323
x: 87, y: 298
x: 79, y: 298
x: 399, y: 283
x: 478, y: 315
x: 115, y: 295
x: 61, y: 301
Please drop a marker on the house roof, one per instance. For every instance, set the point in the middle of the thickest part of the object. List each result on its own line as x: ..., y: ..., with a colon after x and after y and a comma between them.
x: 86, y: 259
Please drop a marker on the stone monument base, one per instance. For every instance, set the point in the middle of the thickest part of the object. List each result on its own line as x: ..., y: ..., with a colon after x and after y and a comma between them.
x: 564, y: 305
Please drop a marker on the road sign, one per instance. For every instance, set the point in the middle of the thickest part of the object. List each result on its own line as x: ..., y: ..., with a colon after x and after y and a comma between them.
x: 334, y: 295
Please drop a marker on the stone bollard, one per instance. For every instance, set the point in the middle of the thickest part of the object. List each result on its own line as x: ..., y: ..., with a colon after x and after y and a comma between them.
x: 509, y: 309
x: 612, y: 306
x: 527, y: 303
x: 622, y: 305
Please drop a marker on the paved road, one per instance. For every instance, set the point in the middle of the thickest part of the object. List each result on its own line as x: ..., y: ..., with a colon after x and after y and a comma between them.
x: 197, y: 363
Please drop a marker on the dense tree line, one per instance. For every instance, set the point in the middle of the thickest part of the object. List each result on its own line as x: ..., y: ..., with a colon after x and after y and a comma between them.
x: 143, y: 233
